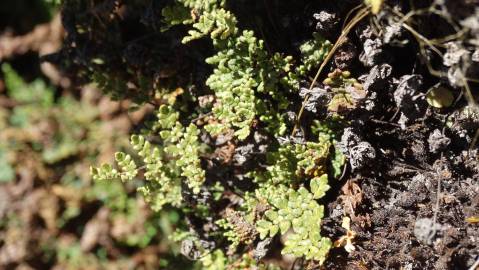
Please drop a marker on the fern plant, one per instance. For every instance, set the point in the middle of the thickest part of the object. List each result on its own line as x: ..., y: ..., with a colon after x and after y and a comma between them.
x: 166, y: 166
x: 243, y: 69
x: 219, y: 24
x: 313, y: 53
x: 252, y: 89
x: 295, y: 163
x: 299, y: 211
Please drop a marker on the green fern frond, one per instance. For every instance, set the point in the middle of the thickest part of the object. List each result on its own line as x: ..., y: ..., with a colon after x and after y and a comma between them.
x: 298, y: 211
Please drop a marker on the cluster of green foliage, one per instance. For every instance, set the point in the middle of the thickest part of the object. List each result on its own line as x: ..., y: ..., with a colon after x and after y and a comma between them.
x: 245, y: 68
x: 45, y: 136
x: 297, y: 165
x: 297, y: 210
x: 217, y: 260
x: 313, y: 52
x: 250, y: 84
x: 166, y: 165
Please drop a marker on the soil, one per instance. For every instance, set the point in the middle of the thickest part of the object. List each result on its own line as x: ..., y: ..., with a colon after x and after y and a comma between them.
x: 411, y: 202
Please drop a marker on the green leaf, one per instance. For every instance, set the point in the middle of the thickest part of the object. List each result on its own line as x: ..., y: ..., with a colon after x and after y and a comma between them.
x: 319, y: 186
x: 273, y: 230
x: 271, y: 214
x: 297, y: 223
x: 264, y: 224
x: 337, y: 162
x: 242, y: 133
x: 263, y: 227
x: 284, y: 226
x: 176, y: 14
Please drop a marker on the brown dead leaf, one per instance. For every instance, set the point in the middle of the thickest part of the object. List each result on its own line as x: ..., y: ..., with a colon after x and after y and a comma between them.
x: 353, y: 196
x: 147, y: 257
x: 225, y: 153
x: 24, y: 266
x: 108, y: 108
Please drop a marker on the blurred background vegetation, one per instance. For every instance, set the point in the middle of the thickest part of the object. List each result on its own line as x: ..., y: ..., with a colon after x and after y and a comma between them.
x: 52, y: 215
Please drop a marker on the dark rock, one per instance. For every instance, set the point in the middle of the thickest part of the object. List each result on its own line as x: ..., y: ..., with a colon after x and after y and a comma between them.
x: 438, y: 141
x: 349, y: 139
x: 365, y: 32
x: 475, y: 56
x: 373, y: 53
x: 407, y: 98
x: 298, y: 138
x: 407, y: 89
x: 395, y: 35
x: 455, y: 54
x: 291, y: 116
x: 377, y: 78
x: 459, y: 60
x: 406, y: 199
x: 260, y: 137
x: 189, y: 249
x: 345, y: 55
x: 361, y: 155
x: 223, y: 138
x: 326, y: 22
x: 262, y: 248
x: 243, y: 153
x: 193, y: 250
x: 318, y: 98
x: 191, y: 198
